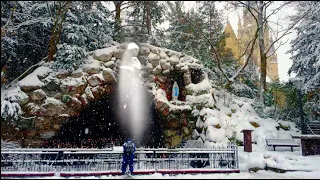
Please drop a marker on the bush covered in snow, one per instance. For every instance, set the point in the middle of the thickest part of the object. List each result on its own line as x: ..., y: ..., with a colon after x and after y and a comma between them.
x: 10, y: 111
x: 10, y: 108
x: 71, y: 26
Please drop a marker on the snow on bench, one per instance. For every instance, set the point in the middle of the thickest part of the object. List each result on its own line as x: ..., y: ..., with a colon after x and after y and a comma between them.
x: 282, y: 142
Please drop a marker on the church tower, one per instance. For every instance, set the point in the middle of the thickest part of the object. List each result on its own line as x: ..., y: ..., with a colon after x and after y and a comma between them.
x: 232, y: 42
x: 238, y: 44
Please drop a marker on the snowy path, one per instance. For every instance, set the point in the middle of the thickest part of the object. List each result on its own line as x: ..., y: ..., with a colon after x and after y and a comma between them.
x: 243, y: 175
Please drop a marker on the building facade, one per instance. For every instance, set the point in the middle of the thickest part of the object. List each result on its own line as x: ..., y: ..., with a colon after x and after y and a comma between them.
x: 237, y: 45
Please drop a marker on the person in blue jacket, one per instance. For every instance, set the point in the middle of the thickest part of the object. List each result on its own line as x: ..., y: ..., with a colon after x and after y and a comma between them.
x: 128, y: 154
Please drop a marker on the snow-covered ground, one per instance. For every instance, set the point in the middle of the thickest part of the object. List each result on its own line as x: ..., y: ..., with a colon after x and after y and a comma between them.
x: 243, y: 175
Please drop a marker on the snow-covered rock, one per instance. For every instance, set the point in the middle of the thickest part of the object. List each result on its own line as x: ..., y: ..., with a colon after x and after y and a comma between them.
x: 144, y: 51
x: 38, y: 95
x: 103, y: 55
x: 153, y: 59
x: 108, y: 75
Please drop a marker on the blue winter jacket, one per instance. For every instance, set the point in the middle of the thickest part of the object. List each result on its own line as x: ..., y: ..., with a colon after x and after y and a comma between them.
x: 125, y: 147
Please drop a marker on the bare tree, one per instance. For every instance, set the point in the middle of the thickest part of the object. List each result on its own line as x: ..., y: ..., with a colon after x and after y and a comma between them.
x: 258, y: 10
x: 215, y: 55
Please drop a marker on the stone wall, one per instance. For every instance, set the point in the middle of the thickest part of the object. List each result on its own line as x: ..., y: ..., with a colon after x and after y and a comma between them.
x: 51, y: 97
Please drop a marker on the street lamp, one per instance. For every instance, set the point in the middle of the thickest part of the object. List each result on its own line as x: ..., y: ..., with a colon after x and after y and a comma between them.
x: 298, y: 84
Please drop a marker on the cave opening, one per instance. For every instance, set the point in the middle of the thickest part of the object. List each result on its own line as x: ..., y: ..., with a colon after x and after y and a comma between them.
x: 98, y: 125
x: 196, y: 75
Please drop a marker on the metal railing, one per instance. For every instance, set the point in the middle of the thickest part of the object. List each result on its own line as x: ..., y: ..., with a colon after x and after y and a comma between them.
x: 58, y: 160
x: 310, y: 129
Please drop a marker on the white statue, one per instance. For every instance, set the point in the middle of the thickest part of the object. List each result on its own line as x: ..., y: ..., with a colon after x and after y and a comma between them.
x: 175, y: 91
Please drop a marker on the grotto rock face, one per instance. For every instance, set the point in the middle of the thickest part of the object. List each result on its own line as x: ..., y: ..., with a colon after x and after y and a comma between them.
x: 52, y: 96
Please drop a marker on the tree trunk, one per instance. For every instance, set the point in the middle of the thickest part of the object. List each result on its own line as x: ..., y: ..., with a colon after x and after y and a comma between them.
x: 148, y: 17
x: 52, y: 42
x: 263, y: 55
x: 117, y: 21
x: 210, y: 26
x: 57, y: 29
x: 118, y: 10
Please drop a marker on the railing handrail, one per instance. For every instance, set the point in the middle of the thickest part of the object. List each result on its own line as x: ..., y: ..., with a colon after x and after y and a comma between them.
x: 310, y: 129
x: 57, y: 149
x: 222, y: 148
x: 108, y: 152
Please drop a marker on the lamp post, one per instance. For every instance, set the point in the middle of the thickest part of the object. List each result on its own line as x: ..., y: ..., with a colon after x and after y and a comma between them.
x: 298, y: 84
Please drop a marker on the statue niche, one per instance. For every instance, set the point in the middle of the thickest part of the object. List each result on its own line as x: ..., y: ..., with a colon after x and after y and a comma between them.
x: 166, y: 83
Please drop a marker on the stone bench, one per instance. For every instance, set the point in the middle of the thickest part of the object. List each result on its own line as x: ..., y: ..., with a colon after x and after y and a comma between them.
x: 282, y: 142
x: 310, y: 144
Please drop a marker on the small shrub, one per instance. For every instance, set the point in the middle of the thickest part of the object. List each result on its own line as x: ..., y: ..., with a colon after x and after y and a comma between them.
x: 286, y: 128
x: 233, y: 110
x: 255, y: 169
x: 266, y: 157
x: 66, y: 98
x: 236, y: 141
x: 229, y: 114
x: 239, y: 143
x: 217, y: 126
x: 254, y: 124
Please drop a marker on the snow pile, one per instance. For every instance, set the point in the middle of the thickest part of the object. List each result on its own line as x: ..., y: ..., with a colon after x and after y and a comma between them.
x: 232, y: 114
x: 69, y: 81
x: 90, y: 62
x: 99, y: 52
x: 33, y: 78
x: 282, y: 159
x: 13, y: 94
x: 200, y: 93
x: 203, y: 100
x: 203, y: 86
x: 53, y: 102
x: 9, y: 144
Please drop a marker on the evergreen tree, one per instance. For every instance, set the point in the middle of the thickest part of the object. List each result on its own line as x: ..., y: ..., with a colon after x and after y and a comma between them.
x: 305, y: 49
x: 138, y: 23
x: 193, y: 32
x: 87, y: 27
x: 26, y: 30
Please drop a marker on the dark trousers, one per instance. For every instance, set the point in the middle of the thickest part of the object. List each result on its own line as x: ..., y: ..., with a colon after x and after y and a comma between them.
x: 127, y: 160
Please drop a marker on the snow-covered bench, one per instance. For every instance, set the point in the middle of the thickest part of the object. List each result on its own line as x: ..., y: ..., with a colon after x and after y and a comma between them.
x: 282, y: 142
